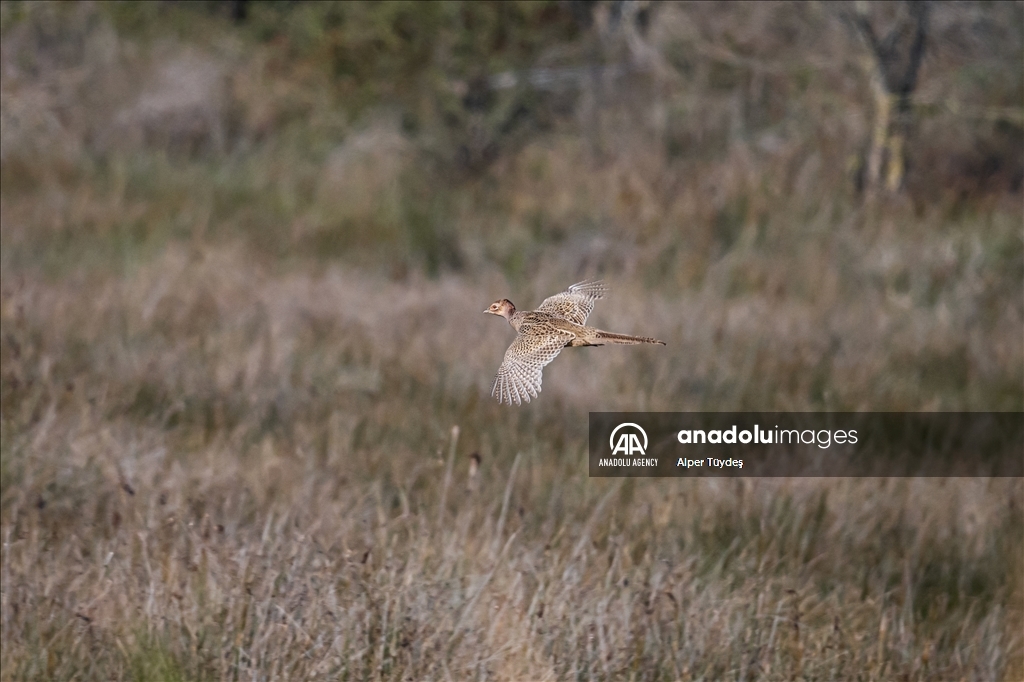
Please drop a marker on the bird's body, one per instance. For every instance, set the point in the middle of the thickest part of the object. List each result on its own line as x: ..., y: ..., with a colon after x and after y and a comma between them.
x: 559, y: 322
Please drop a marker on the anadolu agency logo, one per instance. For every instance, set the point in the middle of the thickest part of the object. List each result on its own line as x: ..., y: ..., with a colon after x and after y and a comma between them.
x: 628, y: 442
x: 814, y: 444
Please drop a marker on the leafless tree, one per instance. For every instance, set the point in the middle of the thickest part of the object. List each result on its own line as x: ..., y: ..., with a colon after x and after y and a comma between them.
x: 896, y: 59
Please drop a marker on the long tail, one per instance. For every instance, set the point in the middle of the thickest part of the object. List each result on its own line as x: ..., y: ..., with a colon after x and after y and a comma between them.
x: 603, y: 338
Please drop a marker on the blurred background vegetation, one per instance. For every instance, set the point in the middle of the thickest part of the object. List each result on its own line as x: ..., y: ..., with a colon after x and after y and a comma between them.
x: 419, y: 135
x: 244, y: 247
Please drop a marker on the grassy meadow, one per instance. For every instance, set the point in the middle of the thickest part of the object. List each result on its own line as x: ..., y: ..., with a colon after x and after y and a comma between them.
x: 244, y: 396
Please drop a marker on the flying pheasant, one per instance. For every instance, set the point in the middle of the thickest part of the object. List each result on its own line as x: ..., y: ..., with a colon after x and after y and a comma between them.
x: 560, y: 321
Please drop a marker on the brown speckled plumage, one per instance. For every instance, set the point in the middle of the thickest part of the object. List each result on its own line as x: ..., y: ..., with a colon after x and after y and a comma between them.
x: 558, y: 322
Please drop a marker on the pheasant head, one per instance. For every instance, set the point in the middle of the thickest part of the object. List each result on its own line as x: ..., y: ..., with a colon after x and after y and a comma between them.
x: 504, y: 308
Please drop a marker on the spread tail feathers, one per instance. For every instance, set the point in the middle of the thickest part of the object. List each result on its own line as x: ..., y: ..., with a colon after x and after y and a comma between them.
x: 605, y: 338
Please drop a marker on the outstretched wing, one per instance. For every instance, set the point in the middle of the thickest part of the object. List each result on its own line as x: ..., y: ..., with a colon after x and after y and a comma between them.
x: 576, y: 303
x: 519, y: 375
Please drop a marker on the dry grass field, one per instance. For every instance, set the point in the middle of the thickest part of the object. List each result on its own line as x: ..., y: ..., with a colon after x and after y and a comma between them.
x: 245, y: 372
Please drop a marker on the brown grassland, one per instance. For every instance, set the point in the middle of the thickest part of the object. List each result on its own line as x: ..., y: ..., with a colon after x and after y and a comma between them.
x: 244, y: 365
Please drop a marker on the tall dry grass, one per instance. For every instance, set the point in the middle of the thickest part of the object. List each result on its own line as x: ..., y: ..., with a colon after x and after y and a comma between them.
x: 244, y: 367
